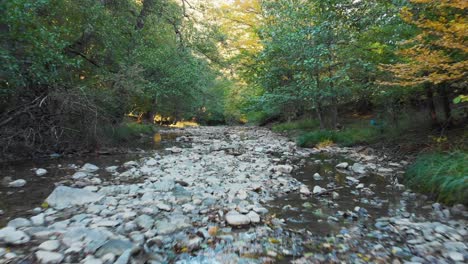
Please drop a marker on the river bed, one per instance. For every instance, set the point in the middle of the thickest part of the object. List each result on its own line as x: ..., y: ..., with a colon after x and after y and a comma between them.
x: 225, y: 195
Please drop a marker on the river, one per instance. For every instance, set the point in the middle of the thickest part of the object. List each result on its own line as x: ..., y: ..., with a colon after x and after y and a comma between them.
x: 224, y: 195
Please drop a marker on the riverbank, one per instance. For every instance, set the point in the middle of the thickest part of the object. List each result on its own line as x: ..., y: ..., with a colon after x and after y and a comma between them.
x: 226, y: 196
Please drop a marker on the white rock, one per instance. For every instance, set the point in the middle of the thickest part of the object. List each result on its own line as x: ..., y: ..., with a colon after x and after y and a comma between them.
x: 88, y: 167
x: 47, y: 257
x: 164, y: 207
x: 456, y: 256
x: 12, y: 236
x: 151, y: 162
x: 352, y: 180
x: 63, y: 197
x: 235, y: 219
x: 80, y: 175
x: 283, y: 168
x: 91, y: 260
x: 130, y: 164
x: 358, y: 168
x: 50, y: 245
x: 17, y: 184
x: 342, y: 165
x: 317, y: 177
x: 41, y: 172
x: 3, y: 251
x: 304, y: 190
x: 360, y: 186
x: 112, y: 169
x: 38, y: 220
x: 10, y: 255
x: 19, y: 222
x: 317, y: 189
x: 254, y: 217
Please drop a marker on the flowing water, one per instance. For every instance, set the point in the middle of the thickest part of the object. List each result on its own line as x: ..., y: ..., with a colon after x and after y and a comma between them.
x: 17, y: 202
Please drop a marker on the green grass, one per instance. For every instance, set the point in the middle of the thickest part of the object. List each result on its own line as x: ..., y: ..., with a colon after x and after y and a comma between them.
x: 128, y: 130
x: 296, y: 125
x: 350, y: 136
x: 443, y: 175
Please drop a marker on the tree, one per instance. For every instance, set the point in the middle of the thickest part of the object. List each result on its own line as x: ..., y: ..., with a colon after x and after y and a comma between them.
x: 437, y: 56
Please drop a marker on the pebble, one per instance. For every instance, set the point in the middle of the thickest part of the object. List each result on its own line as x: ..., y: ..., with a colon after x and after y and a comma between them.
x: 50, y: 245
x: 41, y: 172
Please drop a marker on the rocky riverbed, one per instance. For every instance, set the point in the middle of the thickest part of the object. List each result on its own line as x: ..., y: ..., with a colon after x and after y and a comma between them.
x: 237, y: 195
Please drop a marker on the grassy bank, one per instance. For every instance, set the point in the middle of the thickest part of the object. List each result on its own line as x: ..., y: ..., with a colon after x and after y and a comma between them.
x: 442, y: 175
x: 128, y: 131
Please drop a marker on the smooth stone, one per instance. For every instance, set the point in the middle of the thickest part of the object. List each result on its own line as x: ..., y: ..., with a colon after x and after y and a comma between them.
x: 173, y: 224
x: 114, y: 246
x: 88, y: 167
x: 19, y: 222
x: 38, y: 220
x: 235, y: 219
x: 304, y: 190
x: 63, y: 197
x: 91, y: 260
x: 12, y: 236
x: 317, y: 189
x: 79, y: 175
x: 50, y: 245
x: 342, y: 165
x: 47, y: 257
x: 456, y: 256
x: 358, y: 168
x: 145, y: 221
x: 317, y: 177
x: 124, y: 258
x: 41, y: 172
x: 254, y: 217
x: 17, y: 184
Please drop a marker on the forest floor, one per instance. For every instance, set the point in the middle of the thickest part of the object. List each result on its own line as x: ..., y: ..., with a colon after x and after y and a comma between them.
x: 227, y: 195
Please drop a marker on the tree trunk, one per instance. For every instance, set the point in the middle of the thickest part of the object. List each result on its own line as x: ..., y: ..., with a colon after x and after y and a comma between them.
x: 431, y: 105
x: 334, y: 112
x: 446, y: 104
x: 319, y: 111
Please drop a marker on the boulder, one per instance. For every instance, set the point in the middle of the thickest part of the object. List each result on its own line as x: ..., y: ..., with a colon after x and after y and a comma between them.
x: 63, y: 197
x: 317, y: 189
x: 304, y: 190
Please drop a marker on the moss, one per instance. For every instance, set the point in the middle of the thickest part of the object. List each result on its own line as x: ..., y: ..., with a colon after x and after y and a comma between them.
x: 443, y: 175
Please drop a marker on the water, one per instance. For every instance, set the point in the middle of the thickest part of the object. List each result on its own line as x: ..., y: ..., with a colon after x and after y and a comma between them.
x: 312, y: 213
x: 17, y: 202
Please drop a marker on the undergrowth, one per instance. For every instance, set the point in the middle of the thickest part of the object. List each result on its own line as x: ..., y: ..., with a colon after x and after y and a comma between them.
x: 443, y: 175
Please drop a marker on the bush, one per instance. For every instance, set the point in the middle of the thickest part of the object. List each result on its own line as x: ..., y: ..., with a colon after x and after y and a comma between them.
x: 347, y: 137
x: 128, y: 130
x: 296, y: 125
x: 444, y: 175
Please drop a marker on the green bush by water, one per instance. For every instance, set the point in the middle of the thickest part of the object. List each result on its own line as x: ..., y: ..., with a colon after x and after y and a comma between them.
x: 444, y: 175
x: 347, y: 137
x: 128, y: 130
x: 296, y: 125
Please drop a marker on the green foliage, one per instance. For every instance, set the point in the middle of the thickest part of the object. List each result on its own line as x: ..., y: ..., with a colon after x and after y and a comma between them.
x: 296, y: 125
x: 128, y: 131
x: 444, y: 175
x: 347, y: 137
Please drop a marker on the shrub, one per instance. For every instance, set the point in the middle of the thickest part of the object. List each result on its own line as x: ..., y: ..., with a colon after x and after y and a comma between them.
x: 444, y: 175
x: 296, y: 125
